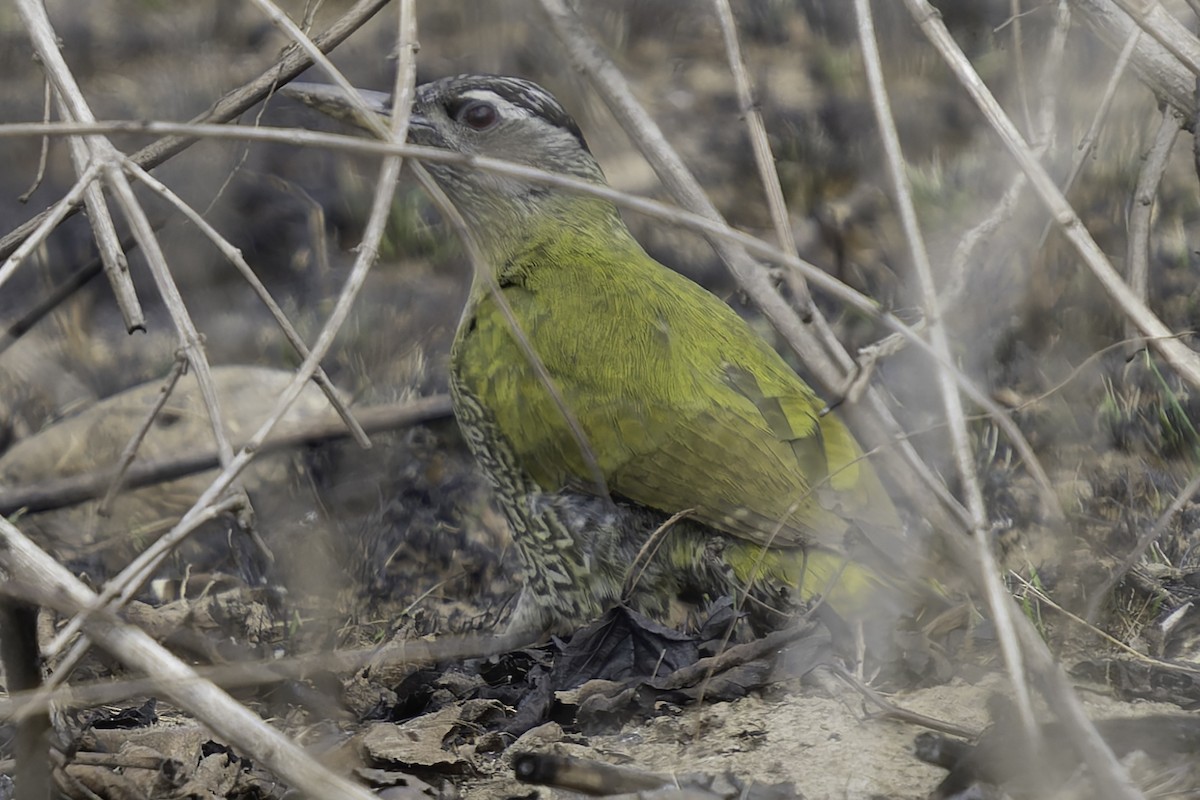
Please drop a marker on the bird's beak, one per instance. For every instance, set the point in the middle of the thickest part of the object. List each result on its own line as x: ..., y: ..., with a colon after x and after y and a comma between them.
x: 333, y: 102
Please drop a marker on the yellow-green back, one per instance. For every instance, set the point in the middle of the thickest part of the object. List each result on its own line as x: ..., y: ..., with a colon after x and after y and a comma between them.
x: 682, y: 404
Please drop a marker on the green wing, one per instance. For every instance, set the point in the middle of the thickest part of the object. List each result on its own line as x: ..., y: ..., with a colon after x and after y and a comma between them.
x: 682, y: 404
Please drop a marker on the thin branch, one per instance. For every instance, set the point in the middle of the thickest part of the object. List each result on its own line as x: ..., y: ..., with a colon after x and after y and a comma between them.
x: 64, y: 492
x: 1043, y: 135
x: 44, y: 153
x: 104, y: 230
x: 190, y: 340
x: 902, y: 197
x: 59, y: 294
x: 83, y: 153
x: 1084, y: 151
x: 129, y: 452
x: 257, y: 673
x: 49, y: 221
x: 310, y: 49
x: 958, y: 276
x: 1161, y: 26
x: 355, y: 144
x: 893, y: 711
x: 1030, y: 589
x: 645, y: 554
x: 1018, y: 61
x: 763, y: 157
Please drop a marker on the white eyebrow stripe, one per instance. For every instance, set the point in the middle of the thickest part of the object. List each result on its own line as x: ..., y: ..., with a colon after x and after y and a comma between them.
x: 507, y: 108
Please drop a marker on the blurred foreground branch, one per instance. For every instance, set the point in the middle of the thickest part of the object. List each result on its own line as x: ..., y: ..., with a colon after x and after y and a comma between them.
x: 1154, y: 59
x: 56, y: 587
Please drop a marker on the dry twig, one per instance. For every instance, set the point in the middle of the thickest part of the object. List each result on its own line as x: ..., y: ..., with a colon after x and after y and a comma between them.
x: 1084, y: 151
x: 129, y: 452
x: 259, y: 673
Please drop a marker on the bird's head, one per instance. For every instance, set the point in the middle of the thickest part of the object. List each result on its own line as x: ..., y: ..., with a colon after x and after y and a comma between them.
x: 515, y: 120
x: 498, y: 117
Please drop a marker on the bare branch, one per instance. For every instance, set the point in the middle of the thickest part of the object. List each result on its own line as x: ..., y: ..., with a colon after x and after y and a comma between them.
x: 762, y: 150
x: 65, y: 492
x: 44, y: 154
x: 129, y: 452
x: 310, y: 49
x: 73, y: 283
x: 1162, y: 27
x: 83, y: 154
x: 1084, y: 151
x: 49, y: 221
x: 258, y: 673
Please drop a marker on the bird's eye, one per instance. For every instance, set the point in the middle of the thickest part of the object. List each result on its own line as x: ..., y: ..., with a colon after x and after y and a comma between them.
x: 479, y: 115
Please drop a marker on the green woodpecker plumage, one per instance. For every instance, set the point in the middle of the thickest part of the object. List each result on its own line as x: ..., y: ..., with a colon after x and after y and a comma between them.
x: 681, y: 404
